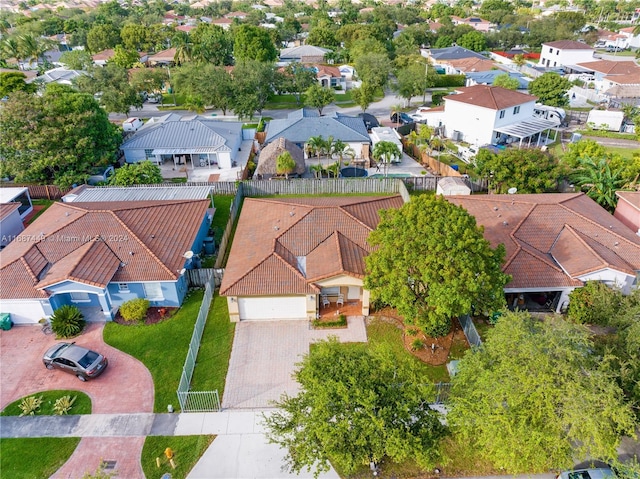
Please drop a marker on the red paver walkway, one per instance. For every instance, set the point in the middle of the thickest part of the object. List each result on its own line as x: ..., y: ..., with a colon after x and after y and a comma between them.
x: 125, y: 387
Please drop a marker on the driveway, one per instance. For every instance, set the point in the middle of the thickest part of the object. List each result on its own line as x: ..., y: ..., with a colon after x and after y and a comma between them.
x: 126, y: 386
x: 264, y: 356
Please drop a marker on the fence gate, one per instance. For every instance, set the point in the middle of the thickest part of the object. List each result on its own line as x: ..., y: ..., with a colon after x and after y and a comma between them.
x: 199, y: 401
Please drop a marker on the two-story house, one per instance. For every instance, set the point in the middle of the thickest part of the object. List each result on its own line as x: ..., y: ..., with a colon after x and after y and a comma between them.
x: 565, y: 53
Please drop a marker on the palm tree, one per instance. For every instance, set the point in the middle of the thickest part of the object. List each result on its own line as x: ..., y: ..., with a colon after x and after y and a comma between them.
x: 385, y: 151
x: 33, y: 48
x: 316, y: 145
x: 599, y: 181
x: 10, y: 48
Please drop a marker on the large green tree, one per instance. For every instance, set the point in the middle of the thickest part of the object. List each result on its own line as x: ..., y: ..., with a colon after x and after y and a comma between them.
x: 141, y: 173
x: 318, y: 97
x: 212, y: 86
x: 211, y: 44
x: 364, y: 95
x: 374, y: 69
x: 252, y: 86
x: 253, y: 43
x: 506, y: 81
x: 551, y: 89
x: 117, y: 95
x: 537, y: 397
x: 600, y: 180
x: 55, y: 138
x: 14, y: 81
x: 432, y: 263
x: 475, y: 41
x: 356, y: 406
x: 530, y: 171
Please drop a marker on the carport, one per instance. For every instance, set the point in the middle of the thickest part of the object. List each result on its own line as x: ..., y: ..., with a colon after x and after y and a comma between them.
x: 525, y: 131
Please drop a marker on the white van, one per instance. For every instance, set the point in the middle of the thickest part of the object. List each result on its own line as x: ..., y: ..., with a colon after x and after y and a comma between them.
x: 132, y: 124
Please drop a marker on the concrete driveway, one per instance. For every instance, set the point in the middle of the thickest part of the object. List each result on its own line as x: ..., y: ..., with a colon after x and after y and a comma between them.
x: 264, y: 356
x: 125, y: 387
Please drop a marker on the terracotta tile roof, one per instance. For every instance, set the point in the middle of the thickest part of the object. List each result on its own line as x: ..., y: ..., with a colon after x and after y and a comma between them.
x: 96, y: 243
x: 324, y: 70
x: 282, y: 246
x: 568, y: 45
x: 551, y: 239
x: 625, y: 79
x: 631, y: 197
x: 492, y: 97
x: 610, y: 67
x: 7, y: 208
x: 163, y: 56
x: 103, y: 55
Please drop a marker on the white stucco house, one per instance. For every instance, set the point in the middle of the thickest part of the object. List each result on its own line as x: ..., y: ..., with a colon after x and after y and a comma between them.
x: 200, y: 141
x: 483, y: 114
x: 565, y: 53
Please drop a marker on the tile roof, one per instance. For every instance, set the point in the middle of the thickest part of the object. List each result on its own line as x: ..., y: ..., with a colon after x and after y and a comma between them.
x: 163, y: 56
x: 283, y: 246
x: 552, y: 239
x: 269, y: 156
x: 302, y: 124
x: 568, y: 45
x: 610, y: 67
x: 625, y: 79
x: 185, y: 132
x: 472, y: 64
x: 492, y: 97
x: 303, y: 51
x: 96, y: 243
x: 103, y: 55
x: 631, y: 197
x: 7, y: 208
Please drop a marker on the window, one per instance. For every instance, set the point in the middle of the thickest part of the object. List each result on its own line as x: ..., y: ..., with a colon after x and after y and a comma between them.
x: 516, y: 110
x: 152, y: 290
x: 80, y: 297
x: 557, y: 52
x: 333, y: 291
x: 123, y: 287
x: 148, y: 153
x: 501, y: 113
x: 550, y: 50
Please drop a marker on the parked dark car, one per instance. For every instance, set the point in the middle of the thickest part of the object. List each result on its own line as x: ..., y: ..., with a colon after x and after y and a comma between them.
x: 370, y: 121
x: 597, y: 473
x: 404, y: 118
x: 71, y: 358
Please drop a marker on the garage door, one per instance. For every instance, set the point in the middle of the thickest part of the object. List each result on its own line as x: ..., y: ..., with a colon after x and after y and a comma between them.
x: 23, y: 312
x: 291, y: 307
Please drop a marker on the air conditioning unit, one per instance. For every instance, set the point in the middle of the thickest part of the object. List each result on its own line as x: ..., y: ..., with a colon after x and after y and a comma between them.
x: 457, y: 135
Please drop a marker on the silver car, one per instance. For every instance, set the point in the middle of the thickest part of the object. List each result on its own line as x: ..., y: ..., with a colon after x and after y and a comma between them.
x: 600, y: 473
x: 71, y: 358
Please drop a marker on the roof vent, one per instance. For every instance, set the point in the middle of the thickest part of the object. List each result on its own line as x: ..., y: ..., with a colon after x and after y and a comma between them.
x: 276, y: 228
x: 131, y: 253
x: 495, y: 208
x: 499, y: 215
x: 292, y: 213
x: 610, y: 227
x: 66, y: 213
x: 616, y: 243
x: 122, y: 264
x: 504, y: 223
x: 153, y: 236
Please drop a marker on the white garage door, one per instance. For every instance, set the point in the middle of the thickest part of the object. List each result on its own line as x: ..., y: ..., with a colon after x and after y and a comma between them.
x: 290, y: 307
x: 23, y: 312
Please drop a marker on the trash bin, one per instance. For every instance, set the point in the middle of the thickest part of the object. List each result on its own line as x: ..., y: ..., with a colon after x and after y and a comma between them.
x: 209, y: 245
x: 455, y: 167
x: 5, y: 321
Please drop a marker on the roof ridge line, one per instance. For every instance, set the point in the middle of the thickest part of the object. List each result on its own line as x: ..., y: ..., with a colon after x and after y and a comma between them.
x: 222, y: 292
x: 579, y: 237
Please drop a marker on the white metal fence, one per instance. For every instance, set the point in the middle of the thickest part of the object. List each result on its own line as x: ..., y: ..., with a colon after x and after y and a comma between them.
x: 197, y: 401
x: 470, y: 330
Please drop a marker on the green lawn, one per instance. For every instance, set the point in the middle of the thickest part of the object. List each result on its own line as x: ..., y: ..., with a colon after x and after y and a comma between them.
x: 82, y: 404
x: 221, y: 217
x: 45, y: 203
x: 380, y: 332
x: 161, y: 347
x: 186, y: 449
x: 35, y: 458
x: 215, y: 349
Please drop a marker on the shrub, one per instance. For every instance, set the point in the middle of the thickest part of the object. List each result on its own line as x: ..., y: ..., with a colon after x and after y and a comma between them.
x: 412, y: 331
x: 67, y: 321
x: 340, y: 322
x: 416, y: 344
x: 134, y: 310
x: 63, y: 405
x: 594, y: 303
x: 30, y: 405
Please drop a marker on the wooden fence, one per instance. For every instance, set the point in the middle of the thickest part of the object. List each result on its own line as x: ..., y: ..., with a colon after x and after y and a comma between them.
x: 437, y: 167
x: 201, y: 277
x: 44, y: 192
x: 226, y: 236
x: 337, y: 186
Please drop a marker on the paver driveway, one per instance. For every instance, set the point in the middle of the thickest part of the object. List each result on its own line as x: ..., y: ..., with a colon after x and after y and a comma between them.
x: 264, y: 356
x: 126, y: 386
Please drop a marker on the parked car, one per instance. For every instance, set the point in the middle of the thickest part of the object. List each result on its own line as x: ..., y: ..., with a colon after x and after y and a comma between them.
x: 599, y: 473
x: 154, y: 98
x: 404, y: 118
x: 613, y: 48
x: 71, y: 358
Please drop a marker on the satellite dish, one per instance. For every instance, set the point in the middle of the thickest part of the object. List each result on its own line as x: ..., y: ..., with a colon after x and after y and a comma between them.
x: 512, y: 191
x: 188, y: 254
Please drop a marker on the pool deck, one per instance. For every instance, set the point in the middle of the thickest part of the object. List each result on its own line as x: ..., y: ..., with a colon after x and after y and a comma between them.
x: 406, y: 167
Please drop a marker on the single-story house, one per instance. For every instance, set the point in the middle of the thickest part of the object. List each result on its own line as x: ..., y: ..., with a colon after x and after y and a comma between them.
x: 163, y: 58
x: 268, y: 157
x: 60, y: 75
x: 303, y: 54
x: 99, y: 255
x: 287, y: 253
x: 17, y: 194
x: 300, y: 125
x: 10, y: 223
x: 441, y: 57
x: 488, y: 77
x: 554, y: 244
x: 203, y: 141
x: 475, y: 22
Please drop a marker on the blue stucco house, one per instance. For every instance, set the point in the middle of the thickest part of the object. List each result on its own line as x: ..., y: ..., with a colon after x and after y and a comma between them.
x: 98, y: 255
